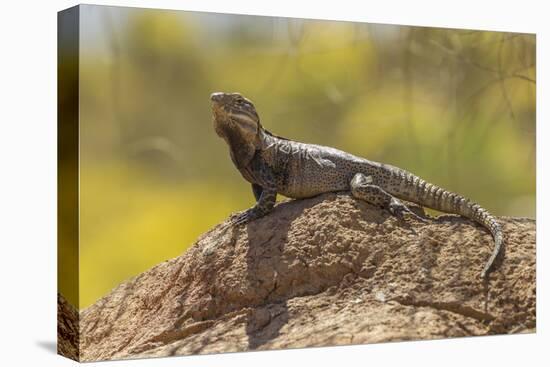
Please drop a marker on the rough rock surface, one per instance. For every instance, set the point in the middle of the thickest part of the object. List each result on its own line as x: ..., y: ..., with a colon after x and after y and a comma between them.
x: 330, y: 270
x: 67, y: 329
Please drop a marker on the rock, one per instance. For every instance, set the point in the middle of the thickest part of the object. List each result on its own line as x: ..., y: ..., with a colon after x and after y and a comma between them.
x: 330, y: 270
x: 67, y: 329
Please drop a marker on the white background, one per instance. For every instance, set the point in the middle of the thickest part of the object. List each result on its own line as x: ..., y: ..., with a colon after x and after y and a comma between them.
x: 28, y: 181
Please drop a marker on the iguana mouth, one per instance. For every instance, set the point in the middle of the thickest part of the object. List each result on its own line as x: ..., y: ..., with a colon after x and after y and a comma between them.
x: 219, y: 111
x: 218, y: 107
x: 232, y: 107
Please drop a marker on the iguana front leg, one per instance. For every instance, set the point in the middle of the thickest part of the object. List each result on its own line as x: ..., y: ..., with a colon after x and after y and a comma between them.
x: 265, y: 203
x: 363, y: 187
x: 257, y: 190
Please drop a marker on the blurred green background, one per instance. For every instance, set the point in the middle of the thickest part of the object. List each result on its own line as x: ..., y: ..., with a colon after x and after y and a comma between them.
x: 456, y: 107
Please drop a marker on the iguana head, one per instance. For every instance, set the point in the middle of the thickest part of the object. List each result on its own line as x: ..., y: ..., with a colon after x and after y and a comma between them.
x: 237, y: 122
x: 235, y: 110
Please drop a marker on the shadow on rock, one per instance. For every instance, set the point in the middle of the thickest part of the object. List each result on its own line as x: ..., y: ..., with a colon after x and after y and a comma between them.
x: 265, y: 264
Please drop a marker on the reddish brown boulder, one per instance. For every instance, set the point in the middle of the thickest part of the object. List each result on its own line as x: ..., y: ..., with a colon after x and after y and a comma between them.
x: 329, y: 270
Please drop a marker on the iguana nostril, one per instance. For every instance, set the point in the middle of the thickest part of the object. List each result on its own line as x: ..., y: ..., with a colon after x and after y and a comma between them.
x: 216, y: 97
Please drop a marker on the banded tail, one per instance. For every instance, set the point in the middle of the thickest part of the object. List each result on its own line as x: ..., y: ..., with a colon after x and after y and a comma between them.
x: 426, y: 194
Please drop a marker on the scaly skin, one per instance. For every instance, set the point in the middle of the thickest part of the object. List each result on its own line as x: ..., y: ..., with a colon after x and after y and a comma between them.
x: 297, y: 170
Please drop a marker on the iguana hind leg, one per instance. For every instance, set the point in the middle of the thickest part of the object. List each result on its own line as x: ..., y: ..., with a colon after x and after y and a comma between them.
x: 363, y: 187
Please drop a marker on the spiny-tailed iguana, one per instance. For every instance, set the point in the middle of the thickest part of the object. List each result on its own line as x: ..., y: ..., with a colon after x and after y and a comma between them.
x: 273, y: 164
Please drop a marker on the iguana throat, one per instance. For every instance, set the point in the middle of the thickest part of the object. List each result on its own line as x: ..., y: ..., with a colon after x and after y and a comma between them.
x: 237, y: 122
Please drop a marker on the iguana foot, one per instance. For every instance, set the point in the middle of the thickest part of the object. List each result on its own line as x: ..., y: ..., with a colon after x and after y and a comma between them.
x: 243, y: 217
x: 397, y: 208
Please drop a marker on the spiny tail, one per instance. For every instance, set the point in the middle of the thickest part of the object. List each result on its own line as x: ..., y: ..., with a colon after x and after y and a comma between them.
x: 421, y: 192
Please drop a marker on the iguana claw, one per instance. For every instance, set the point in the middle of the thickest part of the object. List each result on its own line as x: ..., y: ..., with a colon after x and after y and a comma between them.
x: 242, y: 217
x: 398, y: 209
